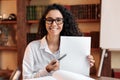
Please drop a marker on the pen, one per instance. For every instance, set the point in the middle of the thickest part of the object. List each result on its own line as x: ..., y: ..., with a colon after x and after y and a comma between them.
x: 60, y: 58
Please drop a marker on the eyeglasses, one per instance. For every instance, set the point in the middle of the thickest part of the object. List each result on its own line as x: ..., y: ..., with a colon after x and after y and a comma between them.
x: 58, y: 21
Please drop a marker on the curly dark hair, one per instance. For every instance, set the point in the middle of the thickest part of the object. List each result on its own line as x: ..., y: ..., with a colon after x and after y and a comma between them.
x: 70, y: 27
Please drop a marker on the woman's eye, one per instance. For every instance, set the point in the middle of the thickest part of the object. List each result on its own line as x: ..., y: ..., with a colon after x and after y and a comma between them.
x: 58, y: 20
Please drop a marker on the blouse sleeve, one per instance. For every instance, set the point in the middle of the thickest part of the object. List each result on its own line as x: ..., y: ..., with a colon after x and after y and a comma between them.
x: 28, y: 65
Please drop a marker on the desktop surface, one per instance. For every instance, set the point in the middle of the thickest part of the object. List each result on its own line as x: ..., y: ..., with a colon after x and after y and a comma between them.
x: 107, y: 78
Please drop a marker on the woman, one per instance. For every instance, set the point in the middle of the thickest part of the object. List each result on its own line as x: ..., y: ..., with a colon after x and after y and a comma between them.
x: 41, y: 56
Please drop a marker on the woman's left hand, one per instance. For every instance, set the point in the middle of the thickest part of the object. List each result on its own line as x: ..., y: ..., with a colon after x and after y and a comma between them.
x: 91, y: 60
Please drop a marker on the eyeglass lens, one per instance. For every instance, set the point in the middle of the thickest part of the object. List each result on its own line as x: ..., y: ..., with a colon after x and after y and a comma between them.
x: 57, y: 20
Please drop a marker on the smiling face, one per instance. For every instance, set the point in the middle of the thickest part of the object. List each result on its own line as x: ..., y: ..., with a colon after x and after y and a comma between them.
x: 54, y: 22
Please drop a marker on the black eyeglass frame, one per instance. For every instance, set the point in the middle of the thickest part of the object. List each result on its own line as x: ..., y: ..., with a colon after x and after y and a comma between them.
x: 50, y: 21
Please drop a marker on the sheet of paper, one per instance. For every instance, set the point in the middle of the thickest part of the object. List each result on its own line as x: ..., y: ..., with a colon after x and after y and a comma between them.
x: 66, y: 75
x: 43, y: 78
x: 77, y: 50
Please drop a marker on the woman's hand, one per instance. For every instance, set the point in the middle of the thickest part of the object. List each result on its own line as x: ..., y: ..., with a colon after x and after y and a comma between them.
x: 52, y: 66
x: 91, y: 60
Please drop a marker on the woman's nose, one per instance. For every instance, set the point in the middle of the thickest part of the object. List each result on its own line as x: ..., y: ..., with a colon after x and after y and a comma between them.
x: 54, y: 23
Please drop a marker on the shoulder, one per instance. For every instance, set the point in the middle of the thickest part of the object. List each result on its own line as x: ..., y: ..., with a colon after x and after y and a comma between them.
x: 34, y: 44
x: 37, y: 44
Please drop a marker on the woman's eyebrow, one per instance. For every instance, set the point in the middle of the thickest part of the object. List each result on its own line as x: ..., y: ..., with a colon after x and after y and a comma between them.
x: 53, y: 18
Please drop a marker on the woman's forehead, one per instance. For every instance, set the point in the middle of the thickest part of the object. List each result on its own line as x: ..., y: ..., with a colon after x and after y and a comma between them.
x: 54, y: 14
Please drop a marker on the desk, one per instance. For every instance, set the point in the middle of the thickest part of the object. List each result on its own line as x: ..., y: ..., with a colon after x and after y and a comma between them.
x: 107, y: 78
x: 5, y: 73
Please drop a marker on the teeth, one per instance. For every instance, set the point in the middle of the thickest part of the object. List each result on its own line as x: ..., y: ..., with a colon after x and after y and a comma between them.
x: 53, y: 28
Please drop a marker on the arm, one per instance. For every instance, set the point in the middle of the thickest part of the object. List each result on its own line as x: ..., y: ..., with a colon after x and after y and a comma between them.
x: 29, y: 67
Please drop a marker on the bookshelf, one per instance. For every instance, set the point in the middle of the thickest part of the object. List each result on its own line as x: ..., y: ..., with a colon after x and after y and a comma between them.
x: 7, y: 33
x: 82, y: 13
x: 79, y: 21
x: 6, y: 25
x: 8, y: 48
x: 8, y: 22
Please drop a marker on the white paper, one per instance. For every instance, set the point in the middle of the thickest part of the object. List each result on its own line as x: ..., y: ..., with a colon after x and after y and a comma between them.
x: 43, y: 78
x: 77, y: 50
x: 63, y: 75
x: 66, y: 75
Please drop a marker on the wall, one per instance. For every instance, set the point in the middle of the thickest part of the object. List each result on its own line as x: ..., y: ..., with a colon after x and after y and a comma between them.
x: 8, y: 7
x: 115, y: 58
x: 8, y: 60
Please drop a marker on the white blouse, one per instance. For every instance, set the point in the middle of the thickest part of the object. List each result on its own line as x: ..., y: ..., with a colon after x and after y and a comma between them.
x: 37, y: 56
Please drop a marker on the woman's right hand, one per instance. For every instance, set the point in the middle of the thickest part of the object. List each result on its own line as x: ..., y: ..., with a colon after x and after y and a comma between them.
x: 52, y: 66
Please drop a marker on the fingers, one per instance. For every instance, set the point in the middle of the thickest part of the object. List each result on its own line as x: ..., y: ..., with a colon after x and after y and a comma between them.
x: 52, y: 66
x: 90, y: 57
x: 53, y: 62
x: 91, y: 60
x: 55, y: 65
x: 92, y: 63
